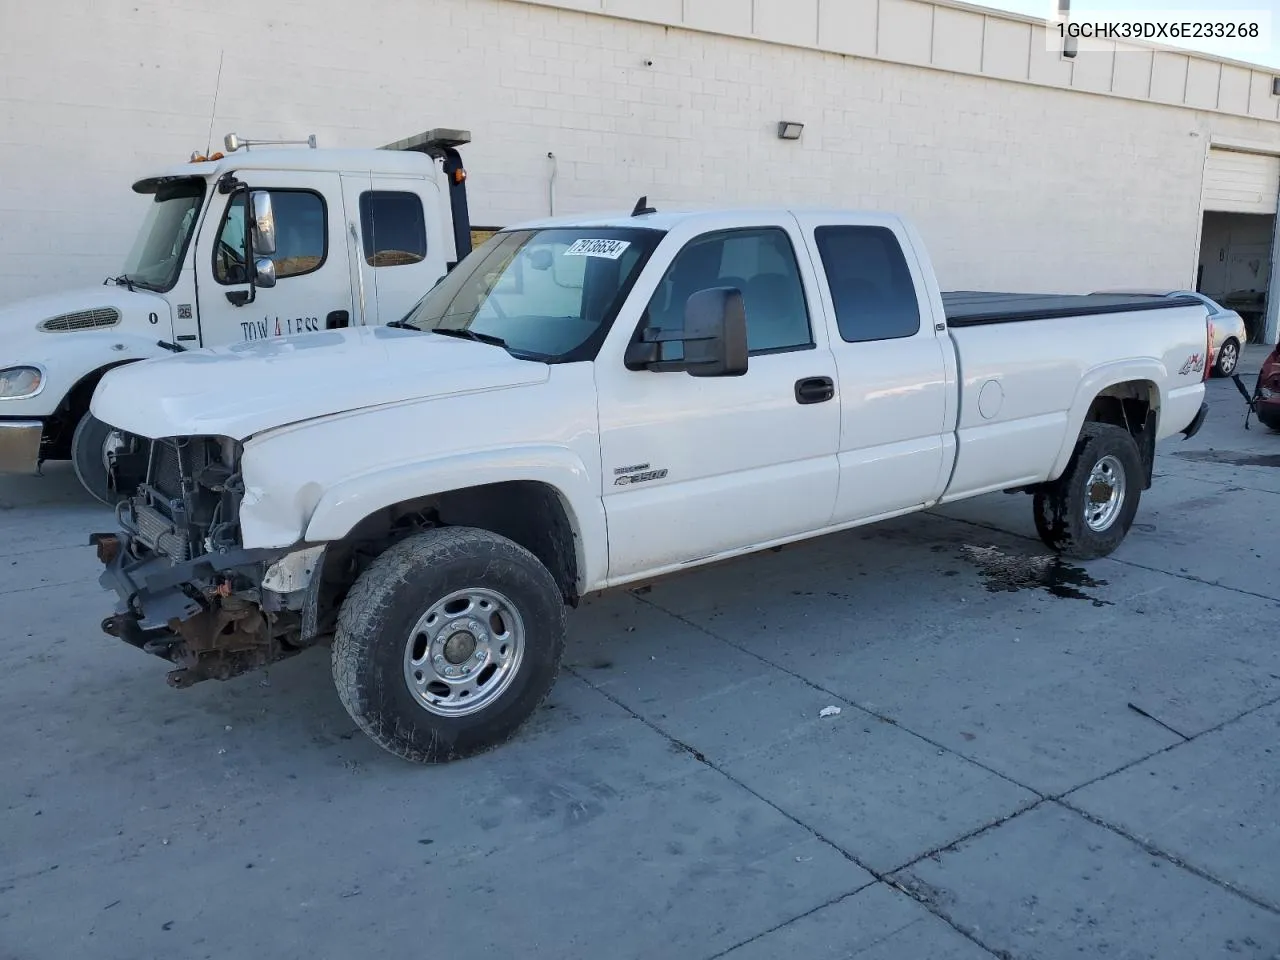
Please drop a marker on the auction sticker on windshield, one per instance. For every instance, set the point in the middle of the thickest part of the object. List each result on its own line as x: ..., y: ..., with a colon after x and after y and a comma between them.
x: 608, y: 249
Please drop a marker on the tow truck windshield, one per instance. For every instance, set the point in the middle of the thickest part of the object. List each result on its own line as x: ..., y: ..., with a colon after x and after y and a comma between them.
x: 156, y: 258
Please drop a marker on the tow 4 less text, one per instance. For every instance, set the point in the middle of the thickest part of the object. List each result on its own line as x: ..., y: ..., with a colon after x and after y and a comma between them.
x: 278, y: 327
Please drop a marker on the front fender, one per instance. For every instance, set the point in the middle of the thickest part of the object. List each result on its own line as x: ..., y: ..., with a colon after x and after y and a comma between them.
x: 341, y: 507
x: 1092, y: 384
x: 67, y: 359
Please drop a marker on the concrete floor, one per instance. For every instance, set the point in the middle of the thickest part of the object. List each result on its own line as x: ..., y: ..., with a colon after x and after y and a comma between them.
x: 989, y: 788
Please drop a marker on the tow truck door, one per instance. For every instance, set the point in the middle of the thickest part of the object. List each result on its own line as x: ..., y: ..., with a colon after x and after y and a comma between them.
x: 312, y: 288
x: 396, y: 242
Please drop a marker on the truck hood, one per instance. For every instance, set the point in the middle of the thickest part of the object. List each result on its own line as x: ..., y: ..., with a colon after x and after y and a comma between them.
x: 24, y: 341
x: 244, y: 389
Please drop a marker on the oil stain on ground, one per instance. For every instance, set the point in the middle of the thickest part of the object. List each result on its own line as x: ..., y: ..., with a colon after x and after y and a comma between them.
x: 1008, y: 573
x: 1229, y: 458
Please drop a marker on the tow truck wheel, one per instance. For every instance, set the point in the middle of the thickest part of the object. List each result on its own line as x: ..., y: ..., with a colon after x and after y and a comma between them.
x: 447, y: 644
x: 1086, y: 513
x: 92, y: 445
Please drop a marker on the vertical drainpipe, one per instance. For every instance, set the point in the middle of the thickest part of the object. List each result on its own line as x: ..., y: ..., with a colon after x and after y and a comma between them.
x: 551, y: 187
x: 1069, y: 44
x: 1272, y: 312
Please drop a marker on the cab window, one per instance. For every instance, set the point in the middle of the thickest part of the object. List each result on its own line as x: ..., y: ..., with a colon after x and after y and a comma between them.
x: 302, y: 237
x: 871, y: 286
x: 761, y: 263
x: 393, y: 227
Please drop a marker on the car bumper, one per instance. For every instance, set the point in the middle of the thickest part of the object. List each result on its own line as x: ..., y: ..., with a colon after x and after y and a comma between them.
x: 1268, y: 412
x: 1197, y: 422
x: 20, y: 446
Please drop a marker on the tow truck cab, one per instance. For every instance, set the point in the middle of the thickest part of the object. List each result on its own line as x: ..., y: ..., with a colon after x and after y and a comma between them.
x: 260, y: 241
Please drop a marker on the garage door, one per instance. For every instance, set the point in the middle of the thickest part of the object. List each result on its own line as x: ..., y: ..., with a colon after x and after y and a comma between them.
x: 1241, y: 182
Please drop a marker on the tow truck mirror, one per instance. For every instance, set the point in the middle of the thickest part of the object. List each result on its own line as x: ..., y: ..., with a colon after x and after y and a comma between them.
x: 264, y: 224
x: 265, y: 270
x: 715, y: 333
x: 713, y: 338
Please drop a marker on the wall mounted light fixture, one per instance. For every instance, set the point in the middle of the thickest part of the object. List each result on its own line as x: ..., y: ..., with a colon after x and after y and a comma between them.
x: 789, y: 130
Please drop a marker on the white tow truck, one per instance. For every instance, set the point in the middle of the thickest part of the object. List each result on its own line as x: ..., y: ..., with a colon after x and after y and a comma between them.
x: 337, y: 238
x: 587, y: 403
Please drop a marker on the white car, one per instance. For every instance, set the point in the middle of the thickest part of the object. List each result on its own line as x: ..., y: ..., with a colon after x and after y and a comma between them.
x: 1227, y: 327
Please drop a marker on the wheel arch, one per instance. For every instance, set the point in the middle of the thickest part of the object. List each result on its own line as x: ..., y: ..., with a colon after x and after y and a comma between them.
x: 61, y: 424
x: 541, y: 498
x: 1125, y: 395
x: 534, y: 514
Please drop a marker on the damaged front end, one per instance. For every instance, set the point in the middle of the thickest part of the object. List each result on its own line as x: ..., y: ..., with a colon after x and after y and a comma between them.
x: 189, y: 592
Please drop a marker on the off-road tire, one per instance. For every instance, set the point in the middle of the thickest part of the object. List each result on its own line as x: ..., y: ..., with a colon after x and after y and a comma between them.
x: 86, y: 459
x: 379, y: 615
x: 1059, y: 507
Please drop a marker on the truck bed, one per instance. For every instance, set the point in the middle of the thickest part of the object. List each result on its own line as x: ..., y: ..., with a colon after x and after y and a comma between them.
x: 969, y: 308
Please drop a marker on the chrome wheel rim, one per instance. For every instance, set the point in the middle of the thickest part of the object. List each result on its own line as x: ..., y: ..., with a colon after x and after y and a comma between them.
x: 1104, y: 494
x: 1227, y: 362
x: 464, y: 652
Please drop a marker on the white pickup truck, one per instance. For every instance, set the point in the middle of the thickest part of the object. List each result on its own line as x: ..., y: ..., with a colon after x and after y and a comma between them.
x: 588, y: 403
x: 336, y: 238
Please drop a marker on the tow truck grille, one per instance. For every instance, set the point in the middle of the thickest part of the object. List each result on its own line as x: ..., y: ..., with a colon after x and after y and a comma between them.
x: 95, y: 319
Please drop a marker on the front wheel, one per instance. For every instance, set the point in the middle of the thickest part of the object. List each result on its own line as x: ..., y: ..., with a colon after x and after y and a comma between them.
x: 447, y: 643
x: 1228, y: 359
x: 1086, y: 513
x: 93, y: 446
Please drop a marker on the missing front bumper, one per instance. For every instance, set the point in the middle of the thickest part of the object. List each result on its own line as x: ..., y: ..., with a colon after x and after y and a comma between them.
x: 184, y: 612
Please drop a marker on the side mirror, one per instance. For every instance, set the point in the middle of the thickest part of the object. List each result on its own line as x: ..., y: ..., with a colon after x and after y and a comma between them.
x: 714, y: 337
x: 264, y: 223
x: 715, y: 333
x: 265, y: 270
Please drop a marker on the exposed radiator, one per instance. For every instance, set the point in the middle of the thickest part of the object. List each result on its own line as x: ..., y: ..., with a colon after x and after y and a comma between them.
x: 158, y: 533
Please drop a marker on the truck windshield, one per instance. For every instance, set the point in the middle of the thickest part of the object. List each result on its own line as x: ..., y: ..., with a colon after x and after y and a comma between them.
x: 161, y: 245
x: 547, y: 295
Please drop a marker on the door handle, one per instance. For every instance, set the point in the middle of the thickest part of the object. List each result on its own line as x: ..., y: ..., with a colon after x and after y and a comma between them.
x: 336, y: 319
x: 815, y: 390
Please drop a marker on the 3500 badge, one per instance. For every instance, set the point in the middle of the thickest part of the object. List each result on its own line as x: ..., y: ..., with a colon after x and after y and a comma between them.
x: 629, y: 476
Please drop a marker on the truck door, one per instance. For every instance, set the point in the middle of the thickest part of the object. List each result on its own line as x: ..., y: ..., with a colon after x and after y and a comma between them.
x: 312, y: 287
x: 397, y: 249
x: 894, y: 378
x: 697, y: 467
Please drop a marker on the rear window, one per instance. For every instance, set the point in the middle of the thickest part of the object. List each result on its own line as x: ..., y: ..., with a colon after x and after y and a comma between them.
x: 871, y: 286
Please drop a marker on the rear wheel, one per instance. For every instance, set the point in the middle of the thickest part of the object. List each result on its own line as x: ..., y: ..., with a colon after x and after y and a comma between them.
x: 1228, y: 359
x: 92, y: 447
x: 447, y: 643
x: 1086, y: 513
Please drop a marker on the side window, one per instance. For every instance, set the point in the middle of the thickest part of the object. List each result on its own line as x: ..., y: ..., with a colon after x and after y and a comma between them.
x: 871, y: 286
x: 302, y: 237
x: 759, y: 262
x: 393, y: 227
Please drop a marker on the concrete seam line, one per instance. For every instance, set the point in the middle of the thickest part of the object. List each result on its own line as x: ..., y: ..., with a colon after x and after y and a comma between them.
x: 883, y: 718
x: 701, y: 758
x: 1152, y: 850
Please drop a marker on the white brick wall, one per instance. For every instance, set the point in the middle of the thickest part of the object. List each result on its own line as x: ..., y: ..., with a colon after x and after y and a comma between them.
x: 1015, y: 186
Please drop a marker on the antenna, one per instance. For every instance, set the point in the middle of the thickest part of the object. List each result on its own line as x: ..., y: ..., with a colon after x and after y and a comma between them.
x: 214, y: 113
x: 642, y: 208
